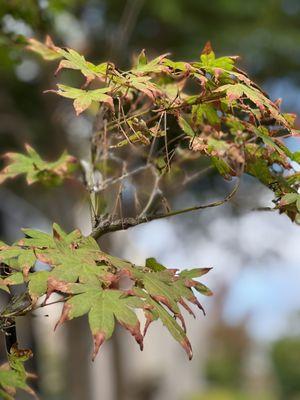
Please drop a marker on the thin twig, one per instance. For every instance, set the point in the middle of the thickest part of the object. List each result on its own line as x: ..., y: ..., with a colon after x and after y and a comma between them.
x: 155, y: 190
x: 110, y: 182
x: 196, y: 175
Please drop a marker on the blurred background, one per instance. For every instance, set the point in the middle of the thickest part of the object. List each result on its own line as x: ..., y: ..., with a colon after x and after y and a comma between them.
x: 248, y: 345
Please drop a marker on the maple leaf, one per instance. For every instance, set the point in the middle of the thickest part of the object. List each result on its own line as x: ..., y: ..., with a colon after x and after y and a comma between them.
x: 263, y: 133
x: 74, y: 60
x: 78, y: 268
x: 155, y: 311
x: 155, y: 66
x: 167, y: 287
x: 210, y: 63
x: 17, y: 258
x: 142, y: 84
x: 236, y: 91
x: 71, y: 257
x: 84, y: 98
x: 46, y: 50
x: 36, y: 169
x: 186, y: 127
x: 205, y: 113
x: 13, y: 375
x: 102, y: 307
x: 290, y: 198
x: 57, y: 249
x: 290, y: 204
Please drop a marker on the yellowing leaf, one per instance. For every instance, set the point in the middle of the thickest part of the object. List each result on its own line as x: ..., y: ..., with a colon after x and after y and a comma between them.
x: 73, y: 60
x: 47, y: 50
x: 84, y: 98
x: 236, y: 91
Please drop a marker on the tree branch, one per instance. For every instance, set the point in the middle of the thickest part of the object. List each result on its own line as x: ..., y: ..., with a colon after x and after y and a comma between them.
x: 108, y: 226
x: 10, y: 330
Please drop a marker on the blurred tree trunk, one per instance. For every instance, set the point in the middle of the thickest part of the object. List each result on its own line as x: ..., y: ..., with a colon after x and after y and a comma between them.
x: 120, y: 386
x: 78, y: 377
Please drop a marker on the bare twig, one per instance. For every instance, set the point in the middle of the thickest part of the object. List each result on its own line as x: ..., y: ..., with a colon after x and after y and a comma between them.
x: 196, y: 175
x: 110, y: 182
x: 154, y: 192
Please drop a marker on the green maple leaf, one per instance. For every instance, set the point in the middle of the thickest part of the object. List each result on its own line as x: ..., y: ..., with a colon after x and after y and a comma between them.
x: 36, y: 169
x: 289, y: 198
x: 71, y: 257
x: 186, y: 127
x: 159, y: 286
x: 13, y: 375
x: 84, y: 98
x: 263, y: 133
x: 205, y: 112
x: 74, y: 60
x: 209, y: 62
x: 17, y: 258
x: 103, y: 308
x: 155, y: 66
x: 22, y: 255
x: 38, y: 284
x: 78, y: 268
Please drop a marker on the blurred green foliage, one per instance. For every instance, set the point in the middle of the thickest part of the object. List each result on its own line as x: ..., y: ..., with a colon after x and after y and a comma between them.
x: 286, y: 363
x: 227, y: 394
x: 225, y: 365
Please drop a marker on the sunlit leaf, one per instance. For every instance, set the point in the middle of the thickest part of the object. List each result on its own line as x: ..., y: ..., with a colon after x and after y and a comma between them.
x: 38, y: 170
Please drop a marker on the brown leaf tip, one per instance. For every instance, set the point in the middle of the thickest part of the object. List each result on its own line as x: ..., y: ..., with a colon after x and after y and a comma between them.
x: 207, y: 49
x: 64, y: 315
x: 136, y: 333
x: 187, y: 347
x: 99, y: 339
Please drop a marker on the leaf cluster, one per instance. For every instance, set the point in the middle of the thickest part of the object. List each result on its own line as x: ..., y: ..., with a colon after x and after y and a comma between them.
x: 90, y: 280
x: 151, y: 119
x: 213, y: 107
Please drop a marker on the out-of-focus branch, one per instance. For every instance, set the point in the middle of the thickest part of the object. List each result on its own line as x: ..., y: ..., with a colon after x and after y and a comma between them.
x: 125, y: 29
x: 109, y: 182
x: 9, y: 323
